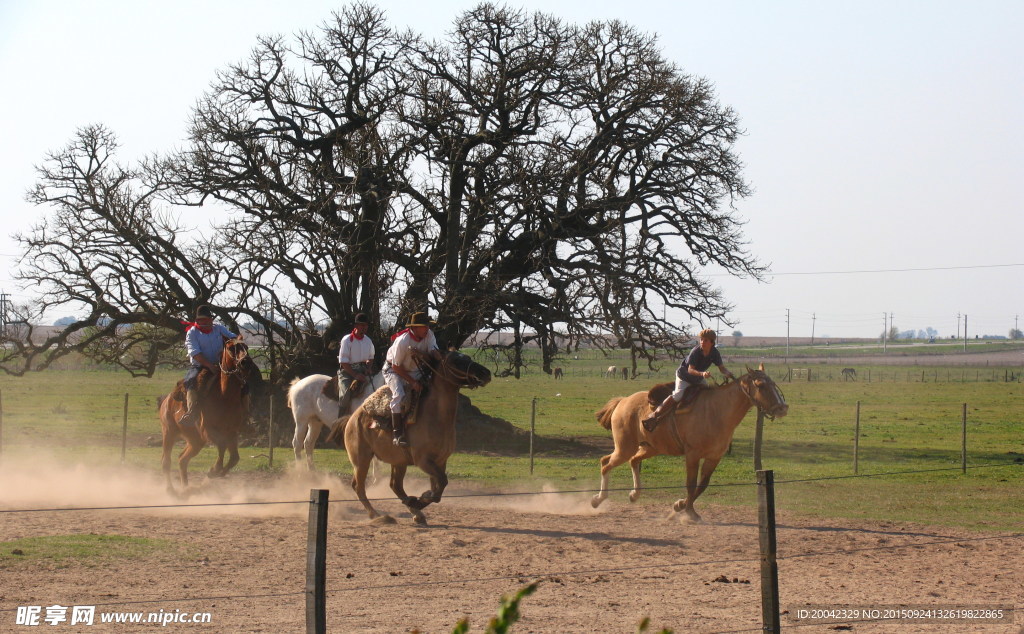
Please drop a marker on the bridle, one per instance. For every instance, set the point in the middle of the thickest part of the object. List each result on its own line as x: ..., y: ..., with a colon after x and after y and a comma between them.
x: 457, y: 376
x: 753, y: 401
x: 239, y: 356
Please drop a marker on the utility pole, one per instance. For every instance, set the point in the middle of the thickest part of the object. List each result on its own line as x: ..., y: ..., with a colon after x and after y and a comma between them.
x: 958, y: 324
x: 965, y: 332
x: 892, y: 326
x: 787, y: 332
x: 3, y: 313
x: 885, y: 329
x: 1015, y: 329
x: 814, y: 316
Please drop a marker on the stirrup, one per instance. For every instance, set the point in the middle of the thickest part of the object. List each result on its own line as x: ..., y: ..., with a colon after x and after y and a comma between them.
x: 189, y: 419
x: 400, y: 441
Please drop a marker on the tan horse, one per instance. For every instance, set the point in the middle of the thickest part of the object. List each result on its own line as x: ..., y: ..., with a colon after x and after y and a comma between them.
x: 221, y: 414
x: 431, y: 435
x: 703, y: 432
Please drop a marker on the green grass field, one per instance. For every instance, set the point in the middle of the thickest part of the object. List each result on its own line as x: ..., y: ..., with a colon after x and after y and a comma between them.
x: 906, y: 425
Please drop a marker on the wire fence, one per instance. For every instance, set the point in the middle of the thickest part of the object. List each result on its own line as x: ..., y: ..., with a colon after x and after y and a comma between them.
x: 318, y: 535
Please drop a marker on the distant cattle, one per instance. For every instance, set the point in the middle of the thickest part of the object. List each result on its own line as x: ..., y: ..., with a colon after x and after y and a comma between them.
x: 558, y: 373
x: 849, y: 374
x: 625, y: 374
x: 611, y: 372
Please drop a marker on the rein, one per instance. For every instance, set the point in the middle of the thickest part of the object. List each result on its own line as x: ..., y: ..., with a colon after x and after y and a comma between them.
x: 456, y: 376
x: 754, y: 402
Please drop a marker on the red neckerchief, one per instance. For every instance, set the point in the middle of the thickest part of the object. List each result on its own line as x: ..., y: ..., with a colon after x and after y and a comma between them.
x: 356, y: 335
x: 411, y: 334
x: 203, y: 329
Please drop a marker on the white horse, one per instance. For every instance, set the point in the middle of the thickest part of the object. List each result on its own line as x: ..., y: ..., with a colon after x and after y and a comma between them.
x: 312, y: 411
x: 612, y: 372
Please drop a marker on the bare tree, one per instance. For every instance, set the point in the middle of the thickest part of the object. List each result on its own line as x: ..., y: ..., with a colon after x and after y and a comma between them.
x: 521, y: 174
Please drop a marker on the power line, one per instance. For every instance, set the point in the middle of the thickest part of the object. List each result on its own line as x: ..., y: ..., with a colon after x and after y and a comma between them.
x: 933, y: 268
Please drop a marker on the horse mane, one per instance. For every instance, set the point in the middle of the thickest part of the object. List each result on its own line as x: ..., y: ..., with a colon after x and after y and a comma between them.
x: 604, y: 415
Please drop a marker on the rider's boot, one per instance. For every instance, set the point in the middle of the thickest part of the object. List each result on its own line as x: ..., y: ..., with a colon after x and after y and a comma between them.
x: 191, y: 416
x: 662, y: 410
x: 398, y: 429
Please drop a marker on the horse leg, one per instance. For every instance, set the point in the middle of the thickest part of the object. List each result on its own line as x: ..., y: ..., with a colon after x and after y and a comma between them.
x: 398, y: 486
x: 233, y: 456
x: 217, y: 470
x: 310, y: 443
x: 300, y: 433
x: 169, y: 439
x: 642, y: 454
x: 693, y: 490
x: 185, y: 457
x: 608, y: 463
x: 438, y: 482
x: 359, y: 468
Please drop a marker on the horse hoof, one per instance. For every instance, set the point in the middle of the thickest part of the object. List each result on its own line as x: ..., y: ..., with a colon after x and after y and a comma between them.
x: 420, y: 519
x: 634, y: 496
x: 678, y: 506
x: 596, y: 501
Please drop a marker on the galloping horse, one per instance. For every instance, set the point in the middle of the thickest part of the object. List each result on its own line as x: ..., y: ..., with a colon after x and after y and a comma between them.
x: 702, y: 432
x: 431, y: 434
x: 312, y: 410
x: 221, y: 413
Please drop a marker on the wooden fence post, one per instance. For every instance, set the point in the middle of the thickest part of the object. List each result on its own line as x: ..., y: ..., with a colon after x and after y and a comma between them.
x: 963, y: 440
x: 124, y: 428
x: 769, y: 566
x: 316, y: 563
x: 533, y: 428
x: 270, y: 430
x: 758, y: 438
x: 856, y: 439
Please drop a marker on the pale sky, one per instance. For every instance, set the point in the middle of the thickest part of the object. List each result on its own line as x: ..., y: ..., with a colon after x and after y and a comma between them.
x: 880, y: 135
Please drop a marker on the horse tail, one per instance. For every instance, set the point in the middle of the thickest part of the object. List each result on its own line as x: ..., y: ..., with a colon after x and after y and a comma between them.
x: 160, y: 400
x: 604, y: 415
x: 291, y: 392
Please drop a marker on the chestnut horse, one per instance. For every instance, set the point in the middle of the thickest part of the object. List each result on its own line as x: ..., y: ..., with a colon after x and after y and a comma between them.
x: 221, y: 414
x: 701, y: 432
x: 431, y: 434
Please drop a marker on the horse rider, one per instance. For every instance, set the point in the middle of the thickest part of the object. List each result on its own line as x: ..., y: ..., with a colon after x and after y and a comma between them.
x: 691, y: 372
x: 355, y: 359
x: 401, y: 371
x: 204, y: 342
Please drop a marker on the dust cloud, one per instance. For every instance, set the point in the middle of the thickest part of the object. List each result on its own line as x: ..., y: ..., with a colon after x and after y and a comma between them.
x: 46, y: 482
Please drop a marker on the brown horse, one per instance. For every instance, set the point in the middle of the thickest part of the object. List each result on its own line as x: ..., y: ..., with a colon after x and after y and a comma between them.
x: 221, y: 413
x: 702, y: 432
x: 431, y: 434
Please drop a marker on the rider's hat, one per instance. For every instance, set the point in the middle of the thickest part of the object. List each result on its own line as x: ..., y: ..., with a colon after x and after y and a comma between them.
x: 420, y: 319
x: 204, y: 311
x: 361, y: 318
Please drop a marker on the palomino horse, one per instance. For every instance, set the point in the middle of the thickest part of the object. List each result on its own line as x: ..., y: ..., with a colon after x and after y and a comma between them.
x: 431, y: 435
x: 703, y: 432
x: 221, y: 413
x: 312, y: 410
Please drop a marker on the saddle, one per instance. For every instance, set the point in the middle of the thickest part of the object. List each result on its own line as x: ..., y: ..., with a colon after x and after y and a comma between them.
x: 204, y: 383
x: 657, y: 394
x: 378, y: 406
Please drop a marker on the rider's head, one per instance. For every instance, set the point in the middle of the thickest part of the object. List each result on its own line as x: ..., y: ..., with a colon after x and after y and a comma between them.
x: 419, y: 324
x: 204, y: 315
x: 707, y: 340
x: 361, y: 323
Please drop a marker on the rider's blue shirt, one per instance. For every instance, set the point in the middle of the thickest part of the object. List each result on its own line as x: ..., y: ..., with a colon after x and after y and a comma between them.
x: 210, y: 344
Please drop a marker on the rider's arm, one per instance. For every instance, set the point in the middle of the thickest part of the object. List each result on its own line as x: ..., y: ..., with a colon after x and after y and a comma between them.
x: 201, y: 360
x: 402, y: 372
x: 350, y: 371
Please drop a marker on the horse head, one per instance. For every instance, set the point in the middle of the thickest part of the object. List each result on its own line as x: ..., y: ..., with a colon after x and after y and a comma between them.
x: 234, y: 354
x: 459, y: 369
x: 763, y: 392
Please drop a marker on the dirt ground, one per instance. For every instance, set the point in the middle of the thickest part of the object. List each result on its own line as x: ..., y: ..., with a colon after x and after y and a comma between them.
x: 600, y: 570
